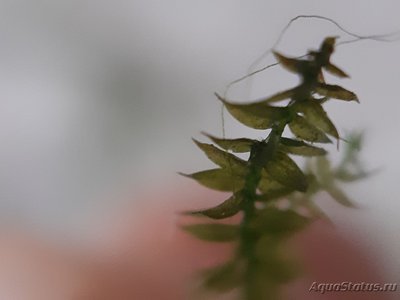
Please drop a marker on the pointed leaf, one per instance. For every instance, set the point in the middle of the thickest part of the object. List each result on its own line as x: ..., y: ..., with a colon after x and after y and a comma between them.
x: 213, y: 232
x: 300, y: 148
x: 226, y: 209
x: 218, y: 179
x: 328, y: 46
x: 236, y: 145
x: 302, y: 129
x: 316, y: 115
x: 334, y: 70
x: 291, y: 64
x: 340, y: 196
x: 335, y: 91
x: 223, y: 158
x: 258, y: 115
x: 268, y: 185
x: 279, y: 96
x: 285, y: 171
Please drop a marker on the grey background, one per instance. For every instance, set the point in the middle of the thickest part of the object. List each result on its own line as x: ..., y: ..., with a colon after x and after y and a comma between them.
x: 99, y: 97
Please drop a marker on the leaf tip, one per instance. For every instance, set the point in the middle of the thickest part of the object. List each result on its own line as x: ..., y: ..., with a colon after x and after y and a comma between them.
x: 184, y: 174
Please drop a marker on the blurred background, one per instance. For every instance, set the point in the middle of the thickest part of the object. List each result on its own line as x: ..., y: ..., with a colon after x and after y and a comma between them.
x: 99, y: 99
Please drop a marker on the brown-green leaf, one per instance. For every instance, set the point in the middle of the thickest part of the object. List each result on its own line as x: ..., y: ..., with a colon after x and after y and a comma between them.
x: 335, y: 91
x: 302, y: 129
x: 269, y: 186
x: 218, y: 179
x: 291, y: 64
x: 316, y: 115
x: 334, y: 70
x: 300, y: 148
x: 285, y: 171
x: 279, y: 96
x: 213, y: 232
x: 258, y: 115
x: 223, y: 158
x: 226, y: 209
x: 241, y: 145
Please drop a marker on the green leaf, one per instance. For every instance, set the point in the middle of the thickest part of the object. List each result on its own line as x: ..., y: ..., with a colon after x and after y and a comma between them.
x: 290, y: 64
x: 316, y: 115
x: 285, y: 171
x: 339, y: 196
x: 302, y: 129
x: 241, y: 145
x: 278, y: 96
x: 334, y: 70
x: 223, y: 158
x: 223, y: 278
x: 218, y: 179
x: 270, y: 187
x: 213, y: 232
x: 258, y: 115
x: 300, y: 148
x: 277, y: 222
x: 226, y: 209
x: 335, y: 91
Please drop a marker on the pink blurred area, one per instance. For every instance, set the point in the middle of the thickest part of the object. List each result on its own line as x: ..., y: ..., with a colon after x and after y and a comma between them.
x: 142, y: 254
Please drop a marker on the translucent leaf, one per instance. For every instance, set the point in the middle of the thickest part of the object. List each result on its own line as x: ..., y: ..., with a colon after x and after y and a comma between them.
x: 300, y: 148
x: 316, y: 115
x: 223, y: 278
x: 226, y: 209
x: 291, y: 64
x: 335, y: 91
x: 258, y: 115
x: 277, y: 222
x: 213, y: 232
x: 218, y: 179
x: 241, y: 145
x: 223, y: 158
x: 339, y: 196
x: 279, y: 96
x: 285, y: 171
x: 269, y: 187
x: 334, y: 70
x: 302, y: 129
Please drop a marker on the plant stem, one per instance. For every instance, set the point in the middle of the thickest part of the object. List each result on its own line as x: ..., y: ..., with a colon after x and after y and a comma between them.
x: 259, y: 156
